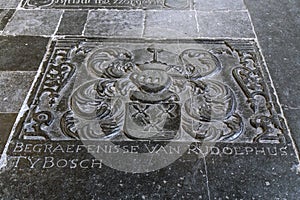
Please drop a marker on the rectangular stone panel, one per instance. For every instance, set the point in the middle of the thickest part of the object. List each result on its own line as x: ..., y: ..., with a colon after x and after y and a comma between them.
x: 170, y: 24
x: 115, y: 23
x: 72, y: 22
x: 22, y: 53
x: 33, y: 22
x: 116, y: 118
x: 111, y: 4
x: 14, y: 88
x: 225, y: 24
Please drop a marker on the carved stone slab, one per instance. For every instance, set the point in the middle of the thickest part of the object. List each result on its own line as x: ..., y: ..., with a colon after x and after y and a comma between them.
x: 207, y: 91
x: 135, y: 115
x: 119, y: 4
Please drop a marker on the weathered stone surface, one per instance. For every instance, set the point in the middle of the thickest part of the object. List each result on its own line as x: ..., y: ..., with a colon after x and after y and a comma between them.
x: 5, y: 15
x: 183, y: 179
x: 22, y: 53
x: 114, y: 23
x: 254, y: 172
x: 217, y: 5
x: 151, y: 119
x: 233, y: 24
x: 72, y: 23
x: 170, y: 24
x: 15, y: 86
x: 33, y: 22
x: 6, y: 122
x: 9, y: 4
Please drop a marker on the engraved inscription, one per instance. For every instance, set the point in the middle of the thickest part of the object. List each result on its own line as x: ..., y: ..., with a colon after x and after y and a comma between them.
x: 163, y: 4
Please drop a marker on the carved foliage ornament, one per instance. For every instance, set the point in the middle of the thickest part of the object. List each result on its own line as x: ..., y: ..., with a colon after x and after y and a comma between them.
x: 151, y: 94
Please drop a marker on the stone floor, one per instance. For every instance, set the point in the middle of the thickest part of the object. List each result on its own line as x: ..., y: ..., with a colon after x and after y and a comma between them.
x: 149, y: 99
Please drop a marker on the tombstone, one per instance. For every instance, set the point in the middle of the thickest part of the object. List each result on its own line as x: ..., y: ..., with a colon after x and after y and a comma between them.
x: 134, y: 116
x: 140, y: 108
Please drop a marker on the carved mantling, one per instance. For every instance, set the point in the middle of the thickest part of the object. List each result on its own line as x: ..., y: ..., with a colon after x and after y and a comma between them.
x: 139, y: 94
x: 57, y: 79
x: 250, y: 77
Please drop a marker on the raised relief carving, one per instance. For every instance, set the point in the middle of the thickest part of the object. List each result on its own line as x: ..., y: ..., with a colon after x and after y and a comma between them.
x: 150, y: 4
x: 38, y: 126
x: 39, y: 3
x: 251, y: 80
x: 176, y: 4
x: 145, y: 95
x: 148, y: 92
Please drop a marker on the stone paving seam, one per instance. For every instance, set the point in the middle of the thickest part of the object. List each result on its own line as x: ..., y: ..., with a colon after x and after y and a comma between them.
x: 20, y: 4
x: 9, y: 20
x: 144, y: 25
x: 207, y: 178
x: 197, y: 22
x: 85, y: 24
x: 58, y: 24
x: 6, y: 17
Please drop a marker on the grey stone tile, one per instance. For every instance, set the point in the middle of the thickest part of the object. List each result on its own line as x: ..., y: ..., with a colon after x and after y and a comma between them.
x: 210, y: 5
x: 5, y: 15
x: 9, y: 3
x: 225, y: 24
x: 253, y: 172
x: 6, y: 122
x: 72, y: 22
x: 33, y: 22
x: 170, y: 24
x: 115, y: 23
x: 14, y: 86
x: 21, y: 53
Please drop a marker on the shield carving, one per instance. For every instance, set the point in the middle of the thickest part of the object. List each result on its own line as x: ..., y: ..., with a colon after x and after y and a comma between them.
x: 152, y: 121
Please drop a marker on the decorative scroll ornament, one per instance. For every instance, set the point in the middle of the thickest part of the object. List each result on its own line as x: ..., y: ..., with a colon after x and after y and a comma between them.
x: 96, y: 92
x: 56, y: 78
x: 38, y: 126
x: 152, y: 100
x: 39, y: 3
x: 251, y: 80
